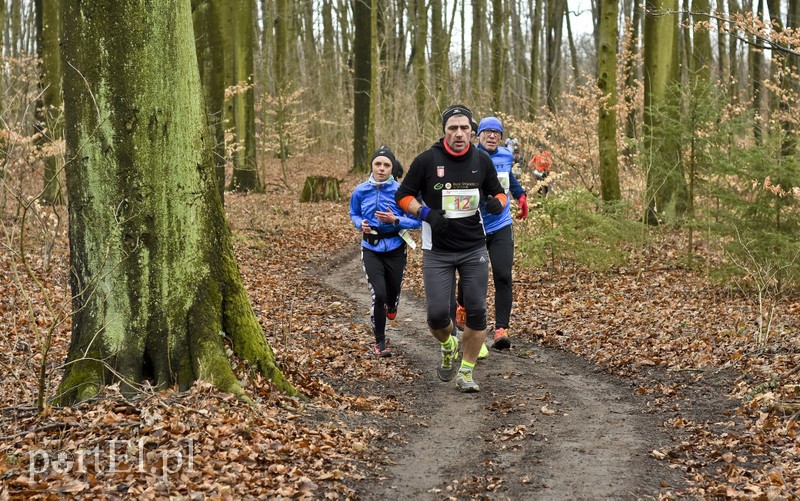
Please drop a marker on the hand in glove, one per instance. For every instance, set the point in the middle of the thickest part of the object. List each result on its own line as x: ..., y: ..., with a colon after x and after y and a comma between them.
x: 523, y: 207
x: 435, y: 218
x: 494, y: 206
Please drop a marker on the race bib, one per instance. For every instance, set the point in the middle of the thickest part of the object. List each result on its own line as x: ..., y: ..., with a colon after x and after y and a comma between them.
x: 505, y: 180
x: 460, y: 203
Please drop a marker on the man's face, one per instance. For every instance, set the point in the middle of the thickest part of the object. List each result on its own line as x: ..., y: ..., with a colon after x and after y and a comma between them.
x: 381, y: 168
x: 490, y: 139
x: 456, y: 132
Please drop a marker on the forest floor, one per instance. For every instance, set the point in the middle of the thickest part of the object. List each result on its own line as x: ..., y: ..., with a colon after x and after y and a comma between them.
x: 640, y: 383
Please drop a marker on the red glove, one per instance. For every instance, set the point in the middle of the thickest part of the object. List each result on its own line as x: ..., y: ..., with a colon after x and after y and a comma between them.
x: 523, y: 207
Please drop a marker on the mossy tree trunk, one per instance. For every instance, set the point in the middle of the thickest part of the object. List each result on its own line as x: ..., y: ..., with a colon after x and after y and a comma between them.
x: 666, y: 184
x: 318, y: 188
x: 607, y: 116
x: 155, y: 285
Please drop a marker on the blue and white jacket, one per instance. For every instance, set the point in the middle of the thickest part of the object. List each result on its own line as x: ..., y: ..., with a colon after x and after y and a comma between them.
x: 371, y: 196
x: 503, y: 160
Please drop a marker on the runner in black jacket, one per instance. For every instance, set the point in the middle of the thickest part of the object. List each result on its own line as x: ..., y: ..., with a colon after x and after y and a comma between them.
x: 452, y: 178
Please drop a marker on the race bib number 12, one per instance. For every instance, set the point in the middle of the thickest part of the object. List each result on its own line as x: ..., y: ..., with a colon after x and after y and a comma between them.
x: 460, y: 203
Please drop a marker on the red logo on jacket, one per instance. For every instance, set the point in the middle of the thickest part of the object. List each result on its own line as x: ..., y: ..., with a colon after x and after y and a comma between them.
x: 440, y: 170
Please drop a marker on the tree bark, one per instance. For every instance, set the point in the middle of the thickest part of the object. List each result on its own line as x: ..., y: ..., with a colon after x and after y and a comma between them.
x: 362, y: 77
x: 631, y: 70
x: 607, y: 115
x: 155, y: 285
x: 207, y: 20
x: 478, y: 18
x: 666, y: 185
x: 319, y: 188
x: 497, y: 56
x: 245, y: 170
x: 555, y: 20
x: 533, y: 95
x: 733, y: 83
x: 756, y: 76
x: 419, y: 64
x: 49, y: 29
x: 702, y: 59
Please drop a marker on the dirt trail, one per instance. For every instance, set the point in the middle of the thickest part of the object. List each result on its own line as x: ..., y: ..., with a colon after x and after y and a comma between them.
x: 546, y: 424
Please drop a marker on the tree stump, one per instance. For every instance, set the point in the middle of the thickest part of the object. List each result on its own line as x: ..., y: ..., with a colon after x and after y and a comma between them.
x: 319, y: 188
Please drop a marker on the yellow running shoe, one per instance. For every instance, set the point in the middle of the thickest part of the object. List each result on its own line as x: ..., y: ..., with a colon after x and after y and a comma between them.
x: 484, y: 352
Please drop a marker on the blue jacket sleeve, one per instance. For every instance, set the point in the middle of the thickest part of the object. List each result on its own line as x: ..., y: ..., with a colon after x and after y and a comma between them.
x: 407, y: 222
x: 355, y: 209
x: 514, y: 187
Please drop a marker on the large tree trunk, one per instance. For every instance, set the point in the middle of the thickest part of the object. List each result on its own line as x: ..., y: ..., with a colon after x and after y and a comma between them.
x: 555, y: 20
x: 154, y: 280
x: 207, y: 18
x: 362, y: 77
x: 790, y: 84
x: 666, y: 185
x: 607, y: 116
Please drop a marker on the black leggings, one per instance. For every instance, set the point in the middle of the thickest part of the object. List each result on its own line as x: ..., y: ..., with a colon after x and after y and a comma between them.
x: 384, y: 271
x: 500, y: 245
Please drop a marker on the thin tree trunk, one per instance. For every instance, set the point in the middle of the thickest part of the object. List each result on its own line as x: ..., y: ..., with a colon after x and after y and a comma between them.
x: 245, y: 171
x: 756, y: 76
x: 631, y: 71
x: 154, y: 279
x: 573, y: 52
x: 49, y: 124
x: 478, y: 18
x: 723, y: 57
x: 733, y: 83
x: 497, y: 56
x: 420, y: 74
x: 533, y: 94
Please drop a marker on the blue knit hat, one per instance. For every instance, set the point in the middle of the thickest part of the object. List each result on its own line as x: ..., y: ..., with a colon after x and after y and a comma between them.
x: 490, y: 123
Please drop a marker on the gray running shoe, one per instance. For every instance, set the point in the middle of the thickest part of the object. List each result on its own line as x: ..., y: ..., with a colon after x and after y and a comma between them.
x: 465, y: 384
x: 450, y: 359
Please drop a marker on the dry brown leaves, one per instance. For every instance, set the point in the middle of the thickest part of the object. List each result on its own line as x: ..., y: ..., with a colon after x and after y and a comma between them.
x: 656, y: 315
x: 203, y: 443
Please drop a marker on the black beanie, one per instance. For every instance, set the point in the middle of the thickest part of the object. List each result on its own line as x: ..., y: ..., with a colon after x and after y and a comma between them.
x: 454, y: 110
x: 383, y: 151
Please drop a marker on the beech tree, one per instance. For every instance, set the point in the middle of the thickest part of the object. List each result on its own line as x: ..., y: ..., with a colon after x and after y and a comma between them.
x: 666, y: 185
x: 607, y: 116
x: 155, y: 285
x: 362, y: 76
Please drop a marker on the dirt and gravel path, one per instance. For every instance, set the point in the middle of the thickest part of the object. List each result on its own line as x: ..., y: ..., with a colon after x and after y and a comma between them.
x: 546, y: 424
